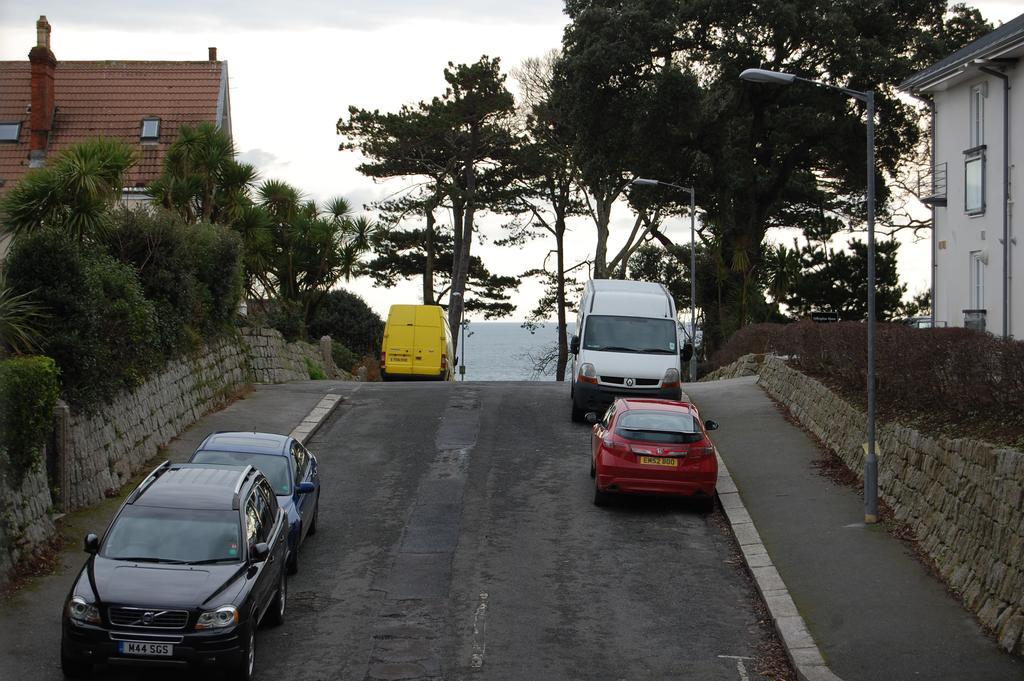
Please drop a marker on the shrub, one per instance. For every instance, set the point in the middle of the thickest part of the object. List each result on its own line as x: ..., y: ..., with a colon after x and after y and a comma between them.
x: 346, y: 318
x: 29, y: 389
x: 344, y: 358
x: 101, y: 330
x: 315, y: 372
x: 191, y: 273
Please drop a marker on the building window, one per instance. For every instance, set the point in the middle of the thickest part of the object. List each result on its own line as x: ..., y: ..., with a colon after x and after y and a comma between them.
x: 10, y: 132
x: 978, y: 94
x: 150, y: 130
x: 974, y: 181
x: 978, y: 260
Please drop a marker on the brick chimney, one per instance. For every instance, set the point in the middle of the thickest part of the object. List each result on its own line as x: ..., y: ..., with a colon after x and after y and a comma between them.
x: 44, y: 65
x: 213, y: 53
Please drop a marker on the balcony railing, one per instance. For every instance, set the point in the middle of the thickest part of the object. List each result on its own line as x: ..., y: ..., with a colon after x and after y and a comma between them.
x: 931, y: 185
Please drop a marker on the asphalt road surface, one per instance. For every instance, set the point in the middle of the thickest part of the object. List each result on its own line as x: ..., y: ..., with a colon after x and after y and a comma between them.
x: 457, y: 540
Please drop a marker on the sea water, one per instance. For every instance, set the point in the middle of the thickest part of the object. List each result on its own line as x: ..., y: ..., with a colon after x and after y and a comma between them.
x: 505, y: 351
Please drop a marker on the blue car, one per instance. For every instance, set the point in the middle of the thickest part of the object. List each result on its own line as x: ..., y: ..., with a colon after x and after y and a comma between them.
x: 290, y: 468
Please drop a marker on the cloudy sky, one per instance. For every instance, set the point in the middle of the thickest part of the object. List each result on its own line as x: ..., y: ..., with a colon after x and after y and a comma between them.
x: 295, y: 68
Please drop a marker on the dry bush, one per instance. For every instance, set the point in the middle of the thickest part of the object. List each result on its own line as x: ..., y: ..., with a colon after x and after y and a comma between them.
x: 939, y: 374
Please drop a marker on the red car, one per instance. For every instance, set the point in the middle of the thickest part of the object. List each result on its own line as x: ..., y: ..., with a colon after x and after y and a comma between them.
x: 653, y: 447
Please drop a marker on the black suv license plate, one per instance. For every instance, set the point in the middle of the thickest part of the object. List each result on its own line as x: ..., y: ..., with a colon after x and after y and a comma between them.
x: 145, y: 648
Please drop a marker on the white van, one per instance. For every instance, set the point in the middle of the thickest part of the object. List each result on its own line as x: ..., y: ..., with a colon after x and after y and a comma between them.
x: 628, y: 345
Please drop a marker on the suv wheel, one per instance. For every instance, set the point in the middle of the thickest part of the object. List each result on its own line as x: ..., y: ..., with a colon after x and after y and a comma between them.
x: 275, y: 615
x: 74, y: 668
x: 244, y: 670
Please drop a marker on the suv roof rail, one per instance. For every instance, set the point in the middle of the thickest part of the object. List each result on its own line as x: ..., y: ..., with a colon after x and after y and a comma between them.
x: 150, y: 479
x: 246, y: 472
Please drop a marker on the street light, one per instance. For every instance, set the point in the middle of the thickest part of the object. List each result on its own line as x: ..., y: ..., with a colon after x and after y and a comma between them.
x: 644, y: 182
x: 868, y: 97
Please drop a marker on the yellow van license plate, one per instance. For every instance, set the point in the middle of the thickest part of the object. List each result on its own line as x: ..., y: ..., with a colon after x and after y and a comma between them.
x: 659, y: 461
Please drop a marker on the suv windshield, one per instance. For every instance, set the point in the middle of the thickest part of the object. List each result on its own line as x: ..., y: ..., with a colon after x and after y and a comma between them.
x: 659, y: 426
x: 276, y: 468
x: 630, y: 334
x: 173, y: 535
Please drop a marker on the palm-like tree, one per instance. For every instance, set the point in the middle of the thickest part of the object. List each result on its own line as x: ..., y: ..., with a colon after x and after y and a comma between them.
x: 782, y: 268
x: 74, y: 193
x: 20, y: 319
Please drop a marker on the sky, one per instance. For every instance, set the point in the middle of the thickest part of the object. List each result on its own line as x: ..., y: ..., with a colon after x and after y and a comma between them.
x: 295, y: 68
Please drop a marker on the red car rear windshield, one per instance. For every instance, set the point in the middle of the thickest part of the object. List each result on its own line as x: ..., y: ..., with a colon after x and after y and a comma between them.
x: 659, y: 426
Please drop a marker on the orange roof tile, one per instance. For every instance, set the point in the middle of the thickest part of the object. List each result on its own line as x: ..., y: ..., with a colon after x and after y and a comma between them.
x: 110, y: 98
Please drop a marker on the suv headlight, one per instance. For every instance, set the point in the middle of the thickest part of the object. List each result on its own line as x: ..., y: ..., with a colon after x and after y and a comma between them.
x: 83, y: 612
x: 225, y: 616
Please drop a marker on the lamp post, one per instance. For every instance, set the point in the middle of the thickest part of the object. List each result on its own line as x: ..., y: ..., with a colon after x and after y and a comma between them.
x: 462, y: 344
x: 868, y: 97
x: 644, y: 182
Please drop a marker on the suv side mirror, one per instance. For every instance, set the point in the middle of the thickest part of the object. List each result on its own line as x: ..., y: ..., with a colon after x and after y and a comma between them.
x: 711, y: 425
x: 259, y: 552
x: 574, y: 345
x: 306, y: 487
x: 91, y: 544
x: 591, y: 417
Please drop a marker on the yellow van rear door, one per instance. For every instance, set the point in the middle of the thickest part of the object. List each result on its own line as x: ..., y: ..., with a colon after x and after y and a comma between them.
x: 401, y: 339
x: 428, y: 346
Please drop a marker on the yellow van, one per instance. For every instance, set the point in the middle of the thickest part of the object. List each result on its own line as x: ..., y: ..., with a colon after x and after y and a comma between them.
x: 417, y: 344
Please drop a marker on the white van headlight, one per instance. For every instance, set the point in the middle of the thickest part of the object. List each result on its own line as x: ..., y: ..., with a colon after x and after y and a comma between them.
x: 670, y: 379
x: 588, y: 374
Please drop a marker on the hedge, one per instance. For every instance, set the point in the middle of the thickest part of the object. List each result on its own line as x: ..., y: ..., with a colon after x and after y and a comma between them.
x: 926, y: 371
x: 29, y: 389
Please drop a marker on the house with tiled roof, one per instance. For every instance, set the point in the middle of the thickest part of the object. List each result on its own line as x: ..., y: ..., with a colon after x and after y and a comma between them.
x: 976, y: 96
x: 48, y: 105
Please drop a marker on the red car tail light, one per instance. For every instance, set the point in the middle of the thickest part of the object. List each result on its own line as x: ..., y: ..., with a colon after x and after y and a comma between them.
x: 614, y: 445
x: 701, y: 450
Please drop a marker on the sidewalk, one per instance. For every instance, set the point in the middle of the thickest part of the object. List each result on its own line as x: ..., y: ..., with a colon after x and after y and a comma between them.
x: 278, y: 408
x: 872, y: 608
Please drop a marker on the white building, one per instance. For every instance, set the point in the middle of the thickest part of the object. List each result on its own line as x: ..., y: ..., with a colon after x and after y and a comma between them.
x: 977, y: 99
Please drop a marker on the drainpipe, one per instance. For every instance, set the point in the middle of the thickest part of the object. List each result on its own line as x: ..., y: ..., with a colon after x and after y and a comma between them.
x: 1007, y: 275
x: 935, y: 241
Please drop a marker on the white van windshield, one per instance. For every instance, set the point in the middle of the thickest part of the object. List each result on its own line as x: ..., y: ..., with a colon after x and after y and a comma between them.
x: 630, y: 334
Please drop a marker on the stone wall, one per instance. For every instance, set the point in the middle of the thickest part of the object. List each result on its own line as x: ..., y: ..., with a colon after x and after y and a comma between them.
x: 25, y: 520
x: 962, y: 498
x: 105, y: 449
x: 274, y: 361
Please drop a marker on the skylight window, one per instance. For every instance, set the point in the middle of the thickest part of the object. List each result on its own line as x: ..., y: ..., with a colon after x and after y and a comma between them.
x: 150, y: 129
x: 9, y: 132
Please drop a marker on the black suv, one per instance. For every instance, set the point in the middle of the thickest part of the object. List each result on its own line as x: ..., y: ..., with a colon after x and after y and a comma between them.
x: 190, y: 565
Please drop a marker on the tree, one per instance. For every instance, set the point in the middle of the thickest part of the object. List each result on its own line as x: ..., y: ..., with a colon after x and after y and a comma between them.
x: 302, y: 250
x: 401, y: 255
x: 456, y: 140
x: 627, y: 109
x: 202, y: 181
x: 544, y: 189
x: 20, y: 320
x: 836, y: 281
x: 760, y: 157
x: 74, y: 194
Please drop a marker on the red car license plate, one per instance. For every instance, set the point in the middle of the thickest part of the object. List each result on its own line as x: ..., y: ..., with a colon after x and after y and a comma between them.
x: 660, y: 461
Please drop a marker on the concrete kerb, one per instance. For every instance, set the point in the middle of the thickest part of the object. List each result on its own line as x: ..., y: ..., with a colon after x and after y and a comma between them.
x: 800, y: 647
x: 315, y: 418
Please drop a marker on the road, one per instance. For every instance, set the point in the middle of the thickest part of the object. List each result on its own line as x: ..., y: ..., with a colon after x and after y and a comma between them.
x: 457, y: 540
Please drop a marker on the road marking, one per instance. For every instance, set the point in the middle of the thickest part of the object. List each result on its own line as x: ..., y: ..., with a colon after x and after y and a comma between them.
x: 476, y: 660
x: 740, y: 668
